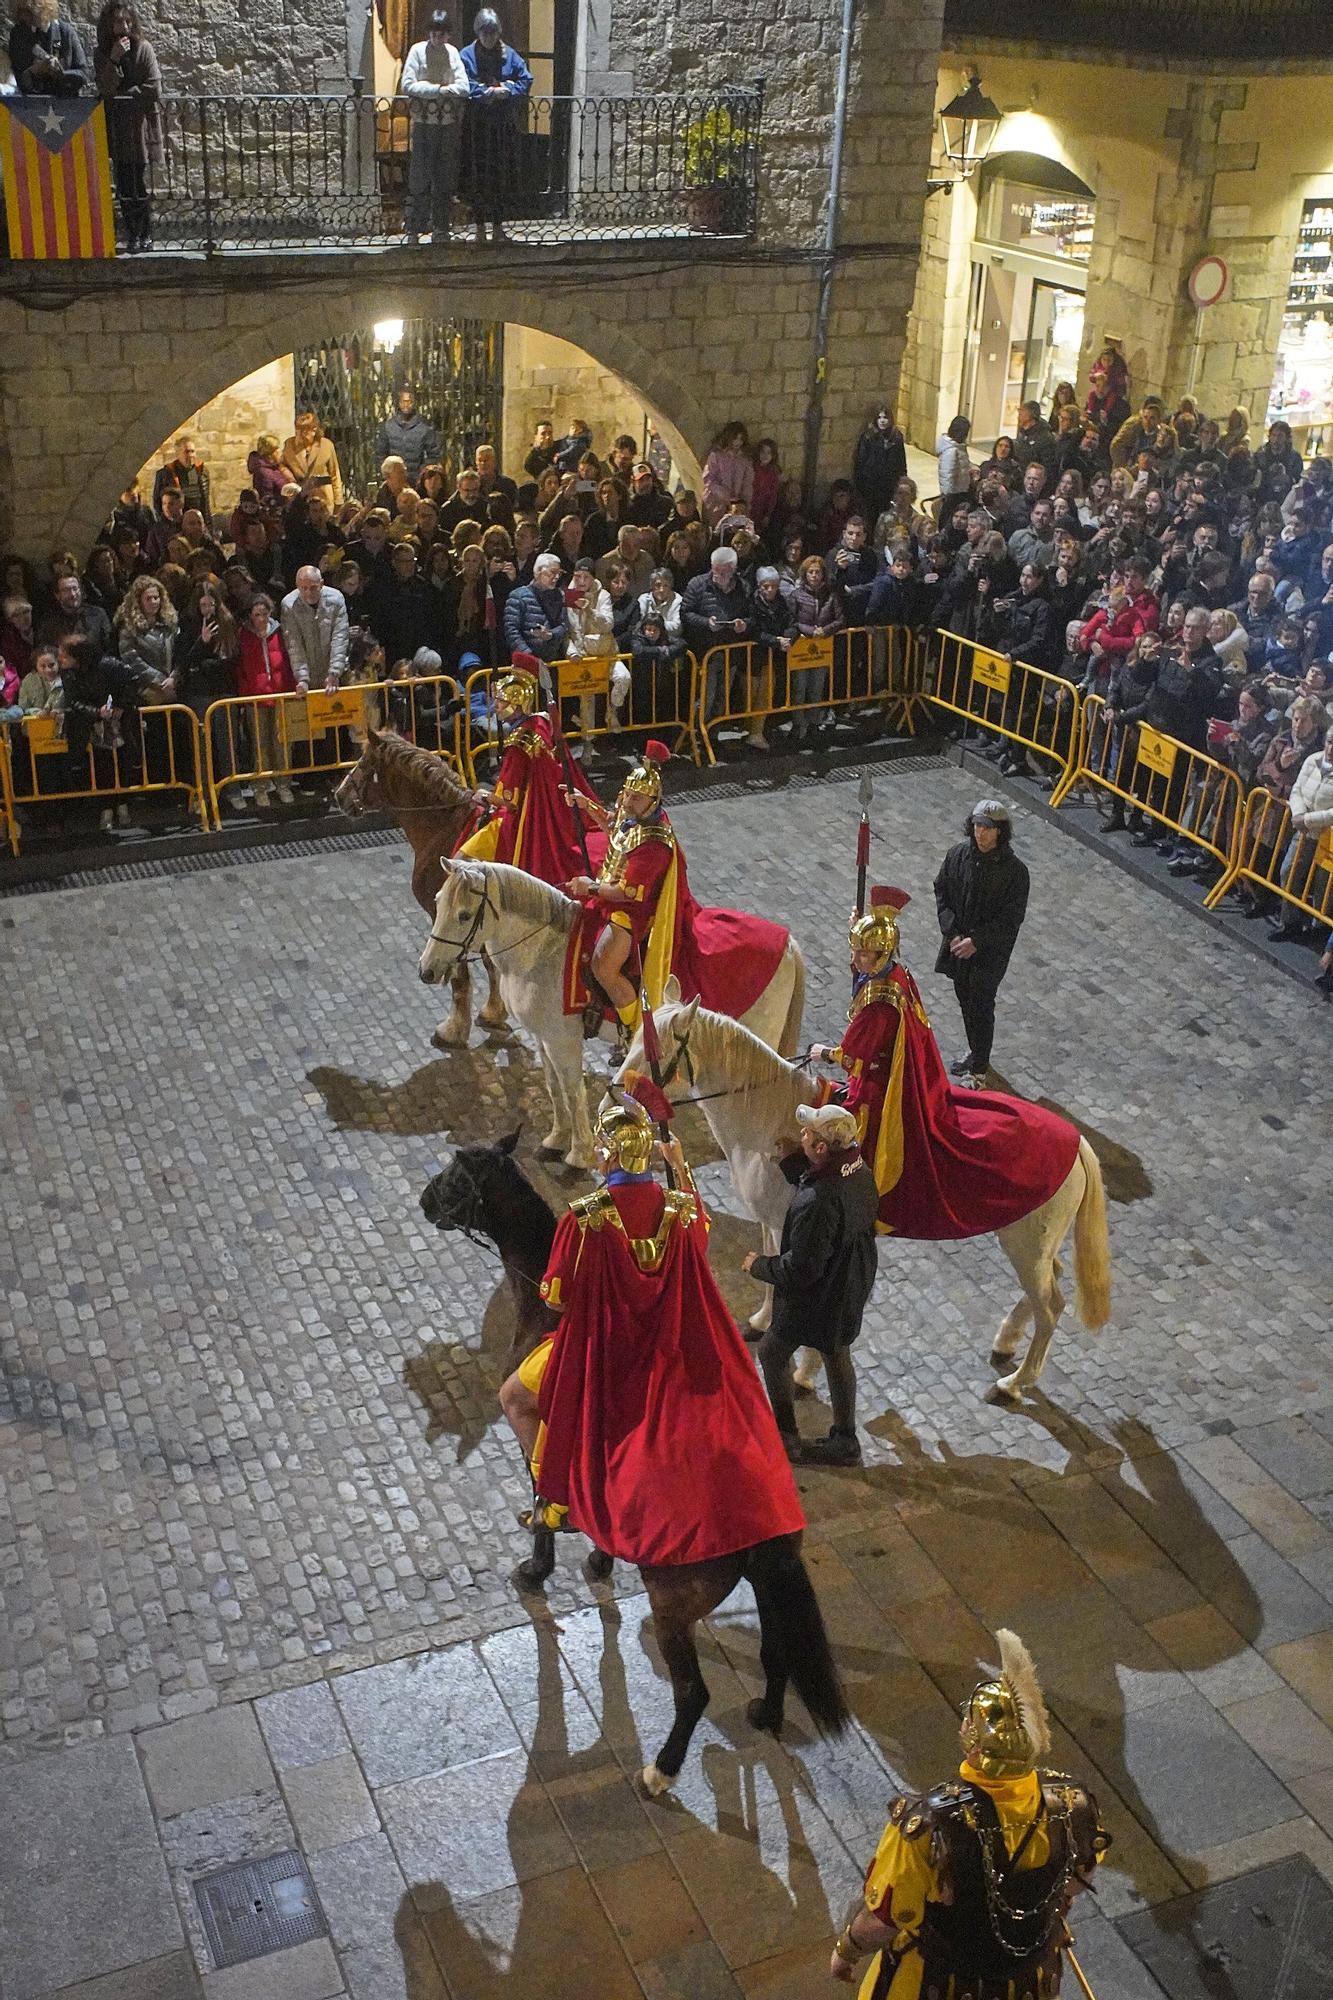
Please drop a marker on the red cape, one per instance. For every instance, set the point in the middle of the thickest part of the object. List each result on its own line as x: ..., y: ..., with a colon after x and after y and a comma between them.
x: 948, y: 1162
x: 723, y: 958
x: 533, y: 826
x: 659, y: 1437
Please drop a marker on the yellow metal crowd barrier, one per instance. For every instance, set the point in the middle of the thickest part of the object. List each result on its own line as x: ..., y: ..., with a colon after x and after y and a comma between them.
x: 607, y: 695
x: 141, y: 753
x: 1270, y: 855
x: 1185, y: 791
x: 1035, y: 710
x: 863, y: 667
x: 268, y: 740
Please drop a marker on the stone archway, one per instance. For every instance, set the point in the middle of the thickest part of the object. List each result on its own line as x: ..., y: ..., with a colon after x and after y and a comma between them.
x: 244, y: 330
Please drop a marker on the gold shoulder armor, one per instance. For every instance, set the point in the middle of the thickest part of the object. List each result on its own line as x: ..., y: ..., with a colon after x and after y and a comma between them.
x: 593, y: 1211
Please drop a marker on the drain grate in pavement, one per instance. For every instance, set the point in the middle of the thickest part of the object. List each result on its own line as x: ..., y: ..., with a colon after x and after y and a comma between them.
x: 258, y: 1907
x: 1267, y: 1935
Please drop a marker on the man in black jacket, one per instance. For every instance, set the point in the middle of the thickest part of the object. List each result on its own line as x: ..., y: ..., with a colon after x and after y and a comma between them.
x: 981, y: 898
x: 1184, y: 696
x: 821, y: 1277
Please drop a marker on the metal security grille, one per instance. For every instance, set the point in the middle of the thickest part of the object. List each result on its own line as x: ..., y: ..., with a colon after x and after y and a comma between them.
x: 351, y: 380
x: 257, y: 1907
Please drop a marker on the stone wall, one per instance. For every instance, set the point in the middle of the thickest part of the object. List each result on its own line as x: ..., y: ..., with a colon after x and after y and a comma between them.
x: 546, y: 377
x: 1180, y: 166
x: 89, y: 393
x: 240, y: 47
x: 225, y: 428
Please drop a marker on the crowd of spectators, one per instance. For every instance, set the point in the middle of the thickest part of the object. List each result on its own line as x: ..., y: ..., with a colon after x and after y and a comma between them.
x: 1159, y: 559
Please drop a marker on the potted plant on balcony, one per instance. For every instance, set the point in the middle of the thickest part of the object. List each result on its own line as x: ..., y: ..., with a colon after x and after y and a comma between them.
x: 715, y: 151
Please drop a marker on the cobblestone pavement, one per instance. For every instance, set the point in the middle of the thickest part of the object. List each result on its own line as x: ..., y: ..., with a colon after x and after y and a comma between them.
x: 249, y: 1461
x: 248, y: 1419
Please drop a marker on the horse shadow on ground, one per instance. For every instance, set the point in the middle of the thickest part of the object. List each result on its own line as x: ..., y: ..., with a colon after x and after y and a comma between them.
x: 543, y: 1938
x: 468, y: 1094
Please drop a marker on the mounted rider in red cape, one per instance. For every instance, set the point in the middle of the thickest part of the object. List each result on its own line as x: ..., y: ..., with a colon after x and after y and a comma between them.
x: 528, y: 821
x: 643, y: 925
x: 948, y: 1161
x: 643, y: 1413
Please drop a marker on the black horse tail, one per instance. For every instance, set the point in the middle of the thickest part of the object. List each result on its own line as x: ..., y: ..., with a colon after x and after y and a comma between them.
x: 791, y: 1621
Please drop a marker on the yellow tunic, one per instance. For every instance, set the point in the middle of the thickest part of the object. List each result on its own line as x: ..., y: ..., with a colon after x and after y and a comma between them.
x: 901, y: 1880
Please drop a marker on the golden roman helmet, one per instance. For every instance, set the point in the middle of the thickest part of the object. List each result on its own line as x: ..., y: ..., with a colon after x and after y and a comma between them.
x: 518, y: 689
x: 1005, y: 1726
x: 877, y: 930
x: 646, y: 777
x: 624, y: 1133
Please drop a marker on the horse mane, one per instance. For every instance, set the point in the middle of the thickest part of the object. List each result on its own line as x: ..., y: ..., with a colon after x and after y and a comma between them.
x: 528, y: 896
x: 746, y: 1062
x: 430, y: 774
x: 502, y: 1181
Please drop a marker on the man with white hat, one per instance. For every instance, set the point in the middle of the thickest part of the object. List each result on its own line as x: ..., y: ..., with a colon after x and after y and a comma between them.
x: 821, y: 1277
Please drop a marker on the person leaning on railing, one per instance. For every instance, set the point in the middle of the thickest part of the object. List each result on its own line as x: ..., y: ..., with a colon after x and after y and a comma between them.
x: 45, y: 53
x: 435, y: 85
x: 1311, y: 805
x: 1183, y: 700
x: 492, y: 165
x: 1021, y: 627
x: 130, y: 80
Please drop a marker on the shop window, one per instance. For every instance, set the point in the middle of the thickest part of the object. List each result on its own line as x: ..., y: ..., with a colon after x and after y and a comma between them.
x: 1302, y: 391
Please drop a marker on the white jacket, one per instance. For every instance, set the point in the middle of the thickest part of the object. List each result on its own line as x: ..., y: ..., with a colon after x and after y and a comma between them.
x: 1312, y: 794
x: 316, y: 636
x: 437, y: 74
x: 668, y: 613
x: 955, y: 466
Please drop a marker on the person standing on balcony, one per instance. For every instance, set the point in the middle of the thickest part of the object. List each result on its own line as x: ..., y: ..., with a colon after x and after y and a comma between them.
x: 130, y: 80
x: 436, y: 86
x: 499, y: 80
x: 45, y: 53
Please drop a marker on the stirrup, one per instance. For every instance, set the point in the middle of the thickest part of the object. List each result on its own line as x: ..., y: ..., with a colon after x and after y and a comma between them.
x: 593, y: 1016
x: 545, y: 1514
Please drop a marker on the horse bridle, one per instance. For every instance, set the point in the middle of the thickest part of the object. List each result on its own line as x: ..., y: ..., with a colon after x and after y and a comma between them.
x: 463, y: 946
x: 681, y: 1059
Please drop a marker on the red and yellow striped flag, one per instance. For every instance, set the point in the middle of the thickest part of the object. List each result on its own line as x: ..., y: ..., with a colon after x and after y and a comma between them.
x: 57, y: 177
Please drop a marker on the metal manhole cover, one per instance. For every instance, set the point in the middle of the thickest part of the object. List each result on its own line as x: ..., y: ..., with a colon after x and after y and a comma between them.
x: 258, y: 1907
x: 1267, y: 1935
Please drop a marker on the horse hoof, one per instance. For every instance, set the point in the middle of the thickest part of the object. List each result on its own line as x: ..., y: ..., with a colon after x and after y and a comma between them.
x: 761, y: 1320
x: 998, y: 1359
x: 547, y: 1151
x: 497, y: 1023
x: 1008, y: 1389
x: 582, y: 1161
x: 761, y: 1716
x: 529, y: 1576
x: 598, y: 1566
x: 449, y: 1037
x: 655, y: 1782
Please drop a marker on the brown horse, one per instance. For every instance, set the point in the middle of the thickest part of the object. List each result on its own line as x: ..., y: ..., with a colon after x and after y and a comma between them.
x: 433, y: 806
x: 484, y: 1192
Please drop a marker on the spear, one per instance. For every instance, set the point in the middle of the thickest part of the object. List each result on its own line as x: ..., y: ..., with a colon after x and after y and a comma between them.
x: 1079, y: 1973
x: 567, y: 765
x: 865, y: 794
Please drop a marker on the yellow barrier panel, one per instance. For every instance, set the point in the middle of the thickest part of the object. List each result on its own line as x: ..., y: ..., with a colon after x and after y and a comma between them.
x: 1035, y: 710
x: 267, y: 740
x: 863, y: 667
x: 1185, y: 791
x: 606, y: 695
x: 1298, y: 867
x: 141, y: 753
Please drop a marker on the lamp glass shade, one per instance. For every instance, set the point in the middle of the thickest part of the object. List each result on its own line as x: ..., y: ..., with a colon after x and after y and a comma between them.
x: 969, y: 123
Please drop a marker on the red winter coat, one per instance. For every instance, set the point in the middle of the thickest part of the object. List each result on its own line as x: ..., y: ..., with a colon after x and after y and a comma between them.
x: 263, y: 666
x: 1116, y: 634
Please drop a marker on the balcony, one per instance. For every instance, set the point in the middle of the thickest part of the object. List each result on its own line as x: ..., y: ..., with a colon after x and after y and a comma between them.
x: 1207, y: 32
x: 267, y: 173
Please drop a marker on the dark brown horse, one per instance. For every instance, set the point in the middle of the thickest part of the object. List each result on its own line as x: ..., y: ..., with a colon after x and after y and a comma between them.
x: 484, y: 1192
x: 433, y: 806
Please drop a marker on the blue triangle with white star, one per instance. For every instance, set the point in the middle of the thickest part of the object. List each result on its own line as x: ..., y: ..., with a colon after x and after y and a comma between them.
x: 53, y: 121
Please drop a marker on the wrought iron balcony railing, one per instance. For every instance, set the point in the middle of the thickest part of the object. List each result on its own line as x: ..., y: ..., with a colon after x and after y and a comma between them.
x: 270, y: 172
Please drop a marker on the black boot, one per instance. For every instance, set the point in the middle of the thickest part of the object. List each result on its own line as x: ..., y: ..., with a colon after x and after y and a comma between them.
x: 838, y: 1448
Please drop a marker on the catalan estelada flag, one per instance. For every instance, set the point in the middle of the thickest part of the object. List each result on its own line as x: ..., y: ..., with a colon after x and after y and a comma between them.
x: 57, y: 177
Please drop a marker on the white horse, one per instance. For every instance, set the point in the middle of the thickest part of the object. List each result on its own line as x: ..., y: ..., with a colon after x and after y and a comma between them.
x: 749, y: 1098
x: 524, y: 925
